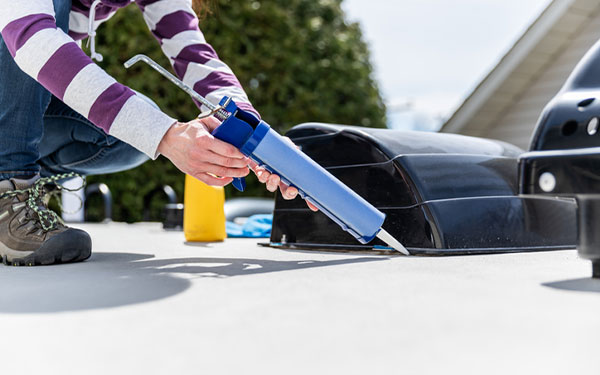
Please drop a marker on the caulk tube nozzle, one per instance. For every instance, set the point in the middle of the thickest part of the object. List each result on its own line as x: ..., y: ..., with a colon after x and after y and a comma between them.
x: 391, y: 241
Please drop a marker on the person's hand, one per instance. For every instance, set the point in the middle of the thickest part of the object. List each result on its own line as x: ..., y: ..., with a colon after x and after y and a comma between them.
x: 193, y: 150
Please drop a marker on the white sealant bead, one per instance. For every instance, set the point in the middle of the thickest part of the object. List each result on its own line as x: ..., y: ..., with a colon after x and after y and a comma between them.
x: 547, y: 182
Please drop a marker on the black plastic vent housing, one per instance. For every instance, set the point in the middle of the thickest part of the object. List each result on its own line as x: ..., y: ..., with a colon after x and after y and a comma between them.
x: 565, y: 159
x: 441, y: 193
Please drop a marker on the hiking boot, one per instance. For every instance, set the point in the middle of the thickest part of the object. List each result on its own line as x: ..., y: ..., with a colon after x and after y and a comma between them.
x: 30, y: 233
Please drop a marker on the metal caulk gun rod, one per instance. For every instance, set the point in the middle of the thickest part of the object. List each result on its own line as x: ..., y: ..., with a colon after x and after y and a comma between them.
x: 391, y: 241
x: 171, y: 78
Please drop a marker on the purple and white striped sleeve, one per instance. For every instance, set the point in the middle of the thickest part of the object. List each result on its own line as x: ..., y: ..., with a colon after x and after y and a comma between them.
x: 79, y: 18
x: 175, y: 25
x: 54, y: 59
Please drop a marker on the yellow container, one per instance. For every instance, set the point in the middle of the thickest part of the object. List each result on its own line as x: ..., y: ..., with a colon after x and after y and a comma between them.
x: 203, y: 213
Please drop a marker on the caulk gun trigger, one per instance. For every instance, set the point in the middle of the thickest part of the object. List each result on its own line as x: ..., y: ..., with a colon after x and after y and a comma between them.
x: 239, y: 183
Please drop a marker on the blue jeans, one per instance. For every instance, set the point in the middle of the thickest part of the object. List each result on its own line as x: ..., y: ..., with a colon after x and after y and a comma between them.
x: 41, y: 134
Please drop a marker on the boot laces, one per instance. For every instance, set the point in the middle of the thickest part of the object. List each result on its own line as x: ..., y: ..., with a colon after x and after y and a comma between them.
x: 38, y: 196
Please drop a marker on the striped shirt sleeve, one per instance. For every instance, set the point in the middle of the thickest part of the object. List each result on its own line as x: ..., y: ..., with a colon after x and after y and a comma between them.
x: 79, y: 18
x: 54, y: 59
x: 175, y: 26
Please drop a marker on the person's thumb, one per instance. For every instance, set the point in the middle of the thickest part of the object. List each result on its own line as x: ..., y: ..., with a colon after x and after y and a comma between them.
x: 211, y: 123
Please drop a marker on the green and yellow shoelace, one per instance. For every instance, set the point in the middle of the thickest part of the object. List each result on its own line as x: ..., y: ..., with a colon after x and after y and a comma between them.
x: 36, y: 193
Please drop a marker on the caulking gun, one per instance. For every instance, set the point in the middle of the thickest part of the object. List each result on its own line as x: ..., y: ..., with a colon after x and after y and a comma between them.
x: 255, y: 139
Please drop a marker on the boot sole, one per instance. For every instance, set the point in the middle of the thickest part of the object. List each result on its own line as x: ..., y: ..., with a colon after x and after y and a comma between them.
x: 70, y: 246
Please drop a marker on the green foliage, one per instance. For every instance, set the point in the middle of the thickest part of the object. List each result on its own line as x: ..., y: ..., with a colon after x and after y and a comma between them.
x: 299, y: 61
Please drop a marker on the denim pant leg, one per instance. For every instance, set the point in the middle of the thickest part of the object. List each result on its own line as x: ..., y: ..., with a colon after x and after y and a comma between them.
x: 23, y: 102
x: 71, y: 143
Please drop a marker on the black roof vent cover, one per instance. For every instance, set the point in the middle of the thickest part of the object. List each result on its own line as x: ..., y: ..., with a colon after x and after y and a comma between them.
x: 441, y: 193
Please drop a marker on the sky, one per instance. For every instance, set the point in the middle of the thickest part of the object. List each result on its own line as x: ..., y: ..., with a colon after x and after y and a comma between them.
x: 429, y: 55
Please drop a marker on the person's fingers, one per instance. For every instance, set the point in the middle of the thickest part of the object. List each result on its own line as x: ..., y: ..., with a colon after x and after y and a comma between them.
x: 217, y: 159
x: 288, y: 192
x: 252, y: 164
x: 312, y: 206
x: 223, y: 148
x: 208, y: 142
x: 219, y: 170
x: 199, y: 156
x: 213, y: 180
x: 262, y: 174
x: 272, y: 183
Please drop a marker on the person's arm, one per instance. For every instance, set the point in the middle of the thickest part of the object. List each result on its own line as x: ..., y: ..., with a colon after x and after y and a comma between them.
x: 79, y: 20
x: 175, y: 25
x: 52, y: 58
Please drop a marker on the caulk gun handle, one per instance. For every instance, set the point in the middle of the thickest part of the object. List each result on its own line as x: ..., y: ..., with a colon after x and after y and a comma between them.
x: 239, y: 183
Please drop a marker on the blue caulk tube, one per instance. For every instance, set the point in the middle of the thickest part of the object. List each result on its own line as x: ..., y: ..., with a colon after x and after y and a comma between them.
x: 256, y: 140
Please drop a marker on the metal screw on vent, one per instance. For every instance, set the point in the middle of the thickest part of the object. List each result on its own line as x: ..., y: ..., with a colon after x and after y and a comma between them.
x: 592, y: 126
x: 547, y: 182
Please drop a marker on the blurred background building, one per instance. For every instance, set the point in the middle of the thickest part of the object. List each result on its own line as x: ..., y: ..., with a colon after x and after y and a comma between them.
x: 507, y: 102
x: 429, y: 55
x: 471, y: 67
